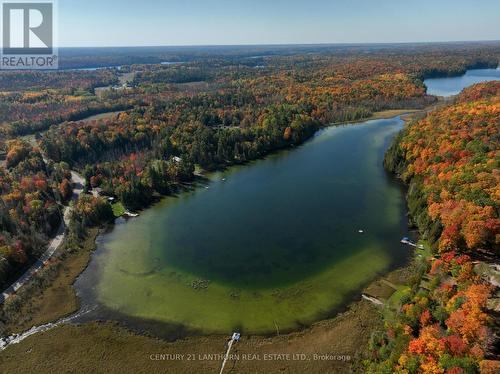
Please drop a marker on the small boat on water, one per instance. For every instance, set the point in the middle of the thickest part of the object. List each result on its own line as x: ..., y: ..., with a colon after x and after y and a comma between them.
x: 408, y: 241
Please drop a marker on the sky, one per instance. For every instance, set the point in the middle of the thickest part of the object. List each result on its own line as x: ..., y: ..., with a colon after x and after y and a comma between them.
x: 88, y: 23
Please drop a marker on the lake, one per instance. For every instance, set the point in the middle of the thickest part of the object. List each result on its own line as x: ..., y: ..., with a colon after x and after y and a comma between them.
x: 273, y: 244
x: 453, y: 85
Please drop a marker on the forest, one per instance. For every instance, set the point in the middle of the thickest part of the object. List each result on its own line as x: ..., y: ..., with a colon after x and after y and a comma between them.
x: 218, y: 113
x: 30, y: 211
x: 450, y: 161
x: 33, y: 101
x: 210, y: 110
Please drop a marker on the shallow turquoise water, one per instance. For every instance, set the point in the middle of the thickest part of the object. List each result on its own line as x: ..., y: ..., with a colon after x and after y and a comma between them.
x: 273, y: 242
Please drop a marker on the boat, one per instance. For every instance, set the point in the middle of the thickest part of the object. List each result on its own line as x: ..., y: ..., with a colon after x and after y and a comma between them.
x: 408, y: 241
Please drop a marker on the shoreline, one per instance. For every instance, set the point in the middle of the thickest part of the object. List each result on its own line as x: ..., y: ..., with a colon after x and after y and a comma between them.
x: 354, y: 324
x: 373, y: 288
x: 169, y: 328
x: 406, y: 115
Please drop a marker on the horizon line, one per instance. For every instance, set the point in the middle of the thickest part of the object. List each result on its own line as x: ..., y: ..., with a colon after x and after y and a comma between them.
x: 285, y: 44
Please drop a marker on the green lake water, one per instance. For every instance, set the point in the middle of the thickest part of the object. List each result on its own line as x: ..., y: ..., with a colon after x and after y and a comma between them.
x: 272, y: 244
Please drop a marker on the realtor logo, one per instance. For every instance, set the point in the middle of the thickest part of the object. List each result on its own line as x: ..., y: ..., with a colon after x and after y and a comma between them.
x: 28, y: 35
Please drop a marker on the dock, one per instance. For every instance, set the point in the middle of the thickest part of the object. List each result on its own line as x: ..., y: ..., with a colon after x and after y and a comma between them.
x: 371, y: 299
x: 234, y: 338
x: 410, y: 242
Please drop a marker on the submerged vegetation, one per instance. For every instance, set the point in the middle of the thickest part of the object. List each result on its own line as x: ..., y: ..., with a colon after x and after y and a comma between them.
x: 220, y: 109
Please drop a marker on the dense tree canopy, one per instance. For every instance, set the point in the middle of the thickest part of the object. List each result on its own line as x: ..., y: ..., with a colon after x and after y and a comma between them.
x: 225, y: 107
x: 453, y: 155
x: 450, y: 159
x: 30, y: 194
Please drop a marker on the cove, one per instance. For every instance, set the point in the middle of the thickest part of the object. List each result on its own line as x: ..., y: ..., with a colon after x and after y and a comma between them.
x: 272, y: 244
x: 449, y: 86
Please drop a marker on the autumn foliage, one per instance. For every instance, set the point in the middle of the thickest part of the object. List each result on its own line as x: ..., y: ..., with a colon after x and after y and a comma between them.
x: 450, y: 160
x: 30, y: 194
x: 454, y: 152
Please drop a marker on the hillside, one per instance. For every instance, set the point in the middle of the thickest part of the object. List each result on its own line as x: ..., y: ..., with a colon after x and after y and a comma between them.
x: 450, y: 162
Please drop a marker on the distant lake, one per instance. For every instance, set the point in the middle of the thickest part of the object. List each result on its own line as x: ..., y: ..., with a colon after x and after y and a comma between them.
x: 96, y: 68
x: 449, y: 86
x: 272, y: 243
x: 278, y: 243
x: 173, y: 62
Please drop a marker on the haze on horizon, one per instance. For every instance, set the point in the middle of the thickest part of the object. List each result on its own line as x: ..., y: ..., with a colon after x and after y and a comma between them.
x: 95, y: 23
